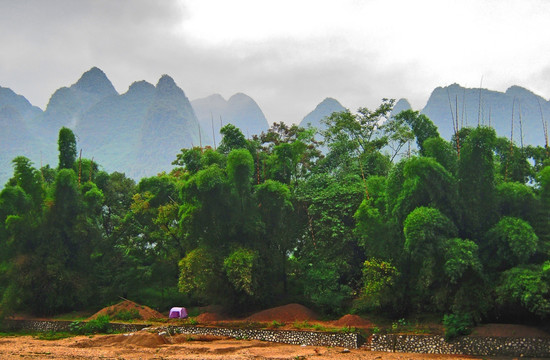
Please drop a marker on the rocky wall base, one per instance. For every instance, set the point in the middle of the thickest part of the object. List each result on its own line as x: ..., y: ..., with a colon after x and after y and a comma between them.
x: 427, y: 344
x: 468, y: 345
x: 313, y: 338
x: 346, y: 340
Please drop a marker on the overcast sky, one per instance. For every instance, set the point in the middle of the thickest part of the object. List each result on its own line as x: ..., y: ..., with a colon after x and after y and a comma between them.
x: 286, y: 54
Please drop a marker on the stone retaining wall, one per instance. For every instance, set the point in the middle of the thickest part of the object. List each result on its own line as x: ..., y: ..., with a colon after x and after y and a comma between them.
x: 468, y: 345
x: 346, y: 340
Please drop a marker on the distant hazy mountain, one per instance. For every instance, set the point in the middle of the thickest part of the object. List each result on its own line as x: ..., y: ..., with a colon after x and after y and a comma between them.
x: 491, y: 108
x: 15, y: 140
x: 169, y: 126
x: 139, y: 132
x: 67, y: 104
x: 321, y: 111
x: 111, y: 129
x: 401, y: 105
x: 15, y: 136
x: 17, y: 115
x: 19, y: 104
x: 240, y: 110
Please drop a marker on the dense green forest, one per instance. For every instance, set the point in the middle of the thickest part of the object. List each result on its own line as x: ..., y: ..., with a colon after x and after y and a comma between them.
x: 458, y: 227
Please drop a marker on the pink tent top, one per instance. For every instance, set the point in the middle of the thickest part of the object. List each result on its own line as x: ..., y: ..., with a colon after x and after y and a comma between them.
x: 178, y: 313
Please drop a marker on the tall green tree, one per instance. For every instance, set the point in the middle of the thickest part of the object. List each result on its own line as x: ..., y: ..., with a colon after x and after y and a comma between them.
x: 524, y: 290
x: 240, y: 167
x: 280, y: 229
x: 29, y: 179
x: 148, y: 243
x: 21, y: 223
x: 476, y: 183
x: 426, y: 183
x: 364, y: 130
x: 328, y: 247
x: 513, y: 164
x: 443, y: 151
x: 286, y: 153
x: 374, y: 230
x: 351, y: 138
x: 232, y: 139
x: 423, y: 128
x: 67, y: 148
x: 431, y: 243
x: 510, y: 242
x: 542, y: 214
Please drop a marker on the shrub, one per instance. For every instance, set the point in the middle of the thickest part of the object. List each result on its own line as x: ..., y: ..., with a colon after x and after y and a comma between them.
x: 398, y: 325
x: 457, y: 325
x: 99, y: 325
x: 378, y: 279
x: 52, y: 335
x: 76, y: 327
x: 275, y: 324
x: 347, y: 329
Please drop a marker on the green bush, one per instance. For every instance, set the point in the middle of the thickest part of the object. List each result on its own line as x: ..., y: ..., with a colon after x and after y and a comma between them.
x: 52, y: 335
x: 399, y: 325
x: 347, y: 329
x: 457, y: 325
x: 276, y: 324
x: 99, y: 325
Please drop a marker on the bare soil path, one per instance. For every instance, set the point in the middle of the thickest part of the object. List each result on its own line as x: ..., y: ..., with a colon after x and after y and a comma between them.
x: 147, y: 346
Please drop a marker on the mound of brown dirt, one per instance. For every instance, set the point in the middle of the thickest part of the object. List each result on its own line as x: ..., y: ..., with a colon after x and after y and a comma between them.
x: 145, y: 312
x: 144, y: 339
x: 285, y: 313
x: 210, y: 317
x: 508, y: 330
x: 352, y: 321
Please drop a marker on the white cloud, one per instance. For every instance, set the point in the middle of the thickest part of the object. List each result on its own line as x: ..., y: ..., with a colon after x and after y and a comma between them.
x: 287, y: 54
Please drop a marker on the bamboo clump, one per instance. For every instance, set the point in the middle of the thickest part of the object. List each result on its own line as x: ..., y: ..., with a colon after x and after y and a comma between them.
x: 545, y: 130
x: 80, y: 167
x: 454, y: 119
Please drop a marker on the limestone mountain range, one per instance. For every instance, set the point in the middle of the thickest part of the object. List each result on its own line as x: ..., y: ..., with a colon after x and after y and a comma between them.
x: 139, y: 132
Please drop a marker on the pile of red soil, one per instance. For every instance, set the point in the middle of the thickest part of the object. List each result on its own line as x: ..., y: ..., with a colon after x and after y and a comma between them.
x: 145, y: 312
x: 508, y: 330
x: 210, y: 317
x: 352, y: 321
x: 285, y: 313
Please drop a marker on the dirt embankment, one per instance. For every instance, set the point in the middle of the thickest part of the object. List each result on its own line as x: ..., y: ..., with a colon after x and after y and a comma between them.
x: 355, y: 321
x: 289, y: 315
x: 144, y: 312
x: 509, y: 330
x: 286, y: 313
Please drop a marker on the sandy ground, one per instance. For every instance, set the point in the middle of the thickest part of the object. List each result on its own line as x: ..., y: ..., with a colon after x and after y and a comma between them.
x: 153, y: 346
